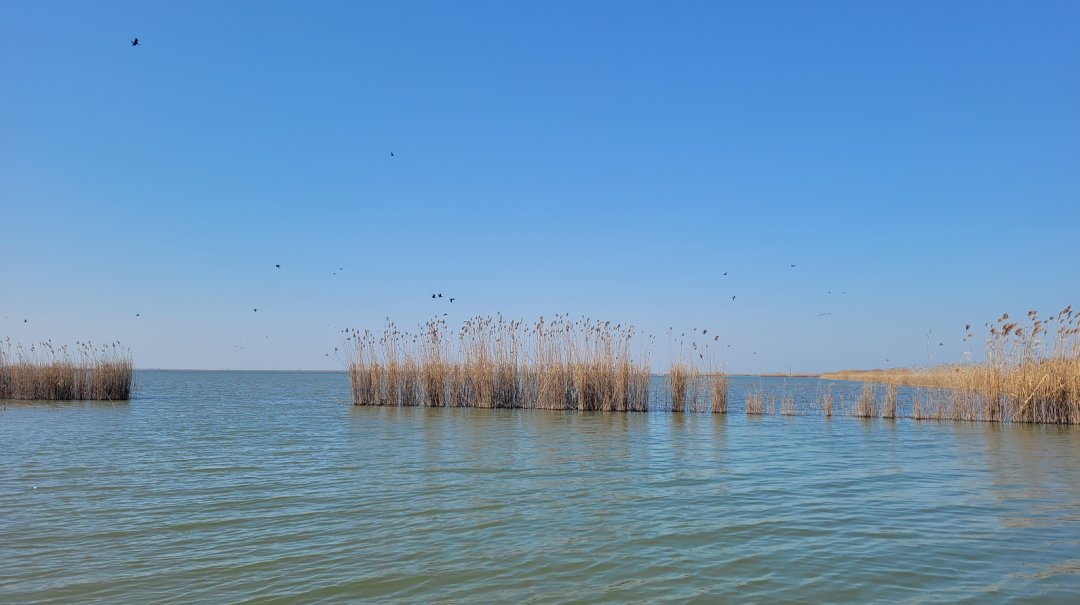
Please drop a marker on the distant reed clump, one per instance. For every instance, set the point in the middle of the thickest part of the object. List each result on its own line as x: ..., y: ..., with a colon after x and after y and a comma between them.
x: 497, y: 363
x: 1030, y: 373
x: 47, y: 372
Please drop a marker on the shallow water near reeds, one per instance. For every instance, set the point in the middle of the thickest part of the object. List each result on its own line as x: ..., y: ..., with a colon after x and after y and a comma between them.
x: 217, y: 487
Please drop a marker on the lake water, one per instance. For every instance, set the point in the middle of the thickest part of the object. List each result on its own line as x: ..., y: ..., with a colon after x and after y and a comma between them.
x: 217, y: 487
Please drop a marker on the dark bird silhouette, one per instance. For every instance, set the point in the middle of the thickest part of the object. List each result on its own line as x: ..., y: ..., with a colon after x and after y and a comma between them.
x: 440, y: 294
x: 135, y: 42
x: 715, y: 338
x: 137, y: 314
x: 451, y: 300
x: 391, y: 154
x: 793, y: 266
x: 255, y: 310
x: 278, y: 266
x: 725, y: 272
x: 26, y: 321
x: 433, y: 296
x: 732, y: 298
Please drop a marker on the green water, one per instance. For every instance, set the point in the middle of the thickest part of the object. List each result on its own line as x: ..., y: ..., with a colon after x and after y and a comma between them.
x: 217, y: 487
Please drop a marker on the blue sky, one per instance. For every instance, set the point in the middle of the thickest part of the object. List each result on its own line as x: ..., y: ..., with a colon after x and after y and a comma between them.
x: 611, y: 159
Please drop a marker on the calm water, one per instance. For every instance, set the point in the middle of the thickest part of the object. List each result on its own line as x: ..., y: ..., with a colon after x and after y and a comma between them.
x: 267, y: 487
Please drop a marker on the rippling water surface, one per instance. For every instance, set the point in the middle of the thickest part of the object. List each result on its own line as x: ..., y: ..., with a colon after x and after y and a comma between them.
x: 217, y: 487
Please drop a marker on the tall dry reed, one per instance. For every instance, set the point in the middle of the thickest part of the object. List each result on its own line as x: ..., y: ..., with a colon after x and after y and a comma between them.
x: 678, y: 379
x: 718, y: 391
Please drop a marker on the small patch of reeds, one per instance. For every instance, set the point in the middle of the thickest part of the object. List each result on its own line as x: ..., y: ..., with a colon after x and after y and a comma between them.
x: 867, y: 407
x: 755, y: 403
x: 44, y: 371
x: 718, y: 388
x: 787, y: 404
x: 678, y: 378
x: 888, y: 410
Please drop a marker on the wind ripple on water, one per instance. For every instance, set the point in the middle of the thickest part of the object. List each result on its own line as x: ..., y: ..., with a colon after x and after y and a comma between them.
x: 242, y: 487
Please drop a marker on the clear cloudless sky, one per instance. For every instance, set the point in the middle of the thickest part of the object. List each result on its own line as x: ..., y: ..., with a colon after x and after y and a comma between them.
x: 918, y: 160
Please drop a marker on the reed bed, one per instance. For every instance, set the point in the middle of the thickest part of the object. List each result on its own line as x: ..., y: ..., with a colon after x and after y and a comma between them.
x: 1030, y: 373
x: 60, y: 373
x: 491, y: 362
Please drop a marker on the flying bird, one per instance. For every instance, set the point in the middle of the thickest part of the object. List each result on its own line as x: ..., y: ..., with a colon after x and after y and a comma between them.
x: 135, y: 42
x: 732, y: 298
x: 255, y: 310
x: 137, y: 314
x: 725, y: 272
x: 451, y: 300
x: 278, y: 266
x: 793, y: 266
x: 433, y: 296
x: 391, y: 154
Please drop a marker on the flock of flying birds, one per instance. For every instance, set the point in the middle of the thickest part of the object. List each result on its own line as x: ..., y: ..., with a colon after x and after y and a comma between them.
x: 438, y: 295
